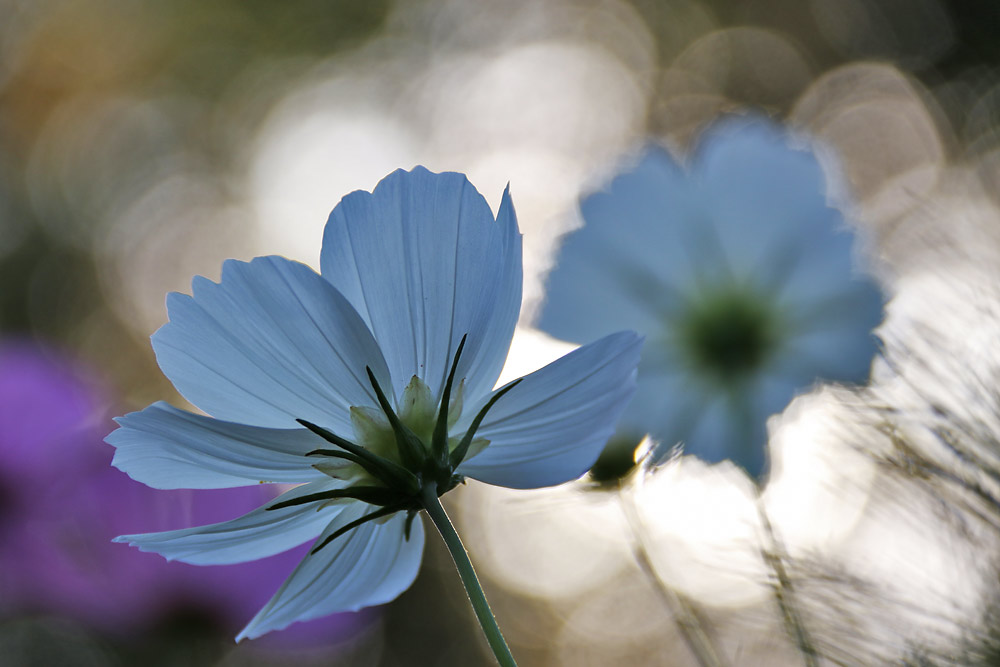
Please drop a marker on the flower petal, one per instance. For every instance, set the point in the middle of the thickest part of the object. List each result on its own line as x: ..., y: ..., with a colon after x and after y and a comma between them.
x: 710, y: 434
x: 842, y: 353
x: 497, y: 325
x: 820, y: 265
x: 370, y: 565
x: 631, y: 260
x: 734, y: 427
x: 763, y: 194
x: 254, y: 535
x: 167, y: 448
x: 424, y: 263
x: 552, y: 426
x: 664, y: 406
x: 270, y: 343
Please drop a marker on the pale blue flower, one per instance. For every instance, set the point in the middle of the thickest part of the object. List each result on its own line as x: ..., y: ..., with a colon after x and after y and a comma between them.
x: 418, y: 280
x: 739, y: 273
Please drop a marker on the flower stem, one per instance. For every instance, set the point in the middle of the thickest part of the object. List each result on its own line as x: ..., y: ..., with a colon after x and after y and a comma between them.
x: 681, y: 608
x: 435, y: 511
x: 783, y: 592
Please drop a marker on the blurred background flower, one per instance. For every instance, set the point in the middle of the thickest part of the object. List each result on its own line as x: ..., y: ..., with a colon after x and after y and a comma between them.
x: 61, y: 507
x: 144, y: 144
x: 740, y: 274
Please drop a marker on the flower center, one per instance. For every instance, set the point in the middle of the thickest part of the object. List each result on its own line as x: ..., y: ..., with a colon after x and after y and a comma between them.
x: 728, y: 335
x: 400, y: 457
x: 411, y: 441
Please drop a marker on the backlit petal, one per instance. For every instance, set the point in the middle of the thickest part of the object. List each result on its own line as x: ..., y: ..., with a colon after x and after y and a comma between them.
x: 552, y: 426
x: 270, y: 343
x: 627, y: 264
x: 424, y: 262
x: 254, y: 535
x: 370, y: 565
x: 167, y: 448
x: 763, y: 194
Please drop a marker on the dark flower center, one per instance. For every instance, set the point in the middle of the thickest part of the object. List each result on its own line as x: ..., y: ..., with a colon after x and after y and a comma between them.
x: 728, y: 335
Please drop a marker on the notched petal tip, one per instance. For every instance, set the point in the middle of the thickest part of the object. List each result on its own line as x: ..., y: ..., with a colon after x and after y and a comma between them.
x: 135, y: 541
x: 176, y: 301
x: 201, y: 283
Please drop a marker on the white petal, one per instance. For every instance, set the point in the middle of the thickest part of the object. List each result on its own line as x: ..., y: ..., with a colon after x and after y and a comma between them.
x: 423, y: 261
x: 763, y: 195
x: 711, y: 430
x: 497, y: 325
x: 661, y: 399
x: 820, y: 265
x: 733, y: 425
x: 270, y: 343
x: 843, y: 352
x: 552, y: 426
x: 630, y: 261
x: 370, y: 565
x: 254, y: 535
x: 734, y: 431
x: 167, y: 448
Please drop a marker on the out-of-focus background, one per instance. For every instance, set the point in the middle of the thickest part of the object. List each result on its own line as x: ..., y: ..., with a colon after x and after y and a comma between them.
x: 143, y: 143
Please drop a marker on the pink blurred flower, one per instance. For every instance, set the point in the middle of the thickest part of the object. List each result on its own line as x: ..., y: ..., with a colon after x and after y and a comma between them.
x: 61, y: 504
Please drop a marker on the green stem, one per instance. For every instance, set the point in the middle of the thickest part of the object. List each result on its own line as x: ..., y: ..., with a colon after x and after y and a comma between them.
x: 435, y: 511
x: 784, y: 593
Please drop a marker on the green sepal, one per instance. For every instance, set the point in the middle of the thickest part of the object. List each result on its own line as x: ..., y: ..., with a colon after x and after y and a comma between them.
x: 337, y: 454
x: 411, y: 450
x: 333, y: 469
x: 373, y: 495
x: 458, y: 454
x: 392, y: 474
x: 371, y: 516
x: 439, y: 440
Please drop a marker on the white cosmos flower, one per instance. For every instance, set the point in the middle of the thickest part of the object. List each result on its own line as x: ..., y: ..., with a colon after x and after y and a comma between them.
x: 740, y: 274
x: 363, y: 384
